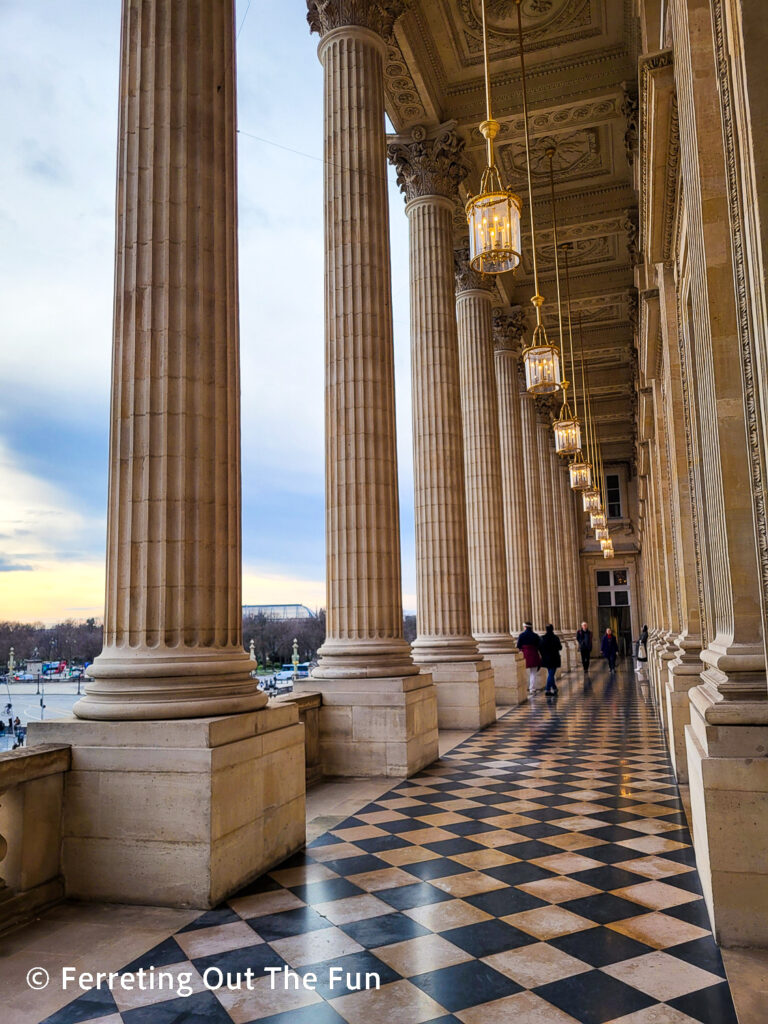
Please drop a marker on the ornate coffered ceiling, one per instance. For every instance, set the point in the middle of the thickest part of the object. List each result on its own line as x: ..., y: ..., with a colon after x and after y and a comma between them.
x: 581, y: 59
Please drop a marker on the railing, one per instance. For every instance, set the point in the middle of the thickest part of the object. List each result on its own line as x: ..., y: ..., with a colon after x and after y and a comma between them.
x: 309, y: 713
x: 31, y: 796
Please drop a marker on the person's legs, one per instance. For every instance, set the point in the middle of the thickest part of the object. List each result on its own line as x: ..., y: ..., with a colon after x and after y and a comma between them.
x: 531, y: 680
x: 585, y: 659
x: 550, y: 680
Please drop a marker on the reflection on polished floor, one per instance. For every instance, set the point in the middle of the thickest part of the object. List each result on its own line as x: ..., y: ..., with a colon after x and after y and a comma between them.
x: 541, y: 872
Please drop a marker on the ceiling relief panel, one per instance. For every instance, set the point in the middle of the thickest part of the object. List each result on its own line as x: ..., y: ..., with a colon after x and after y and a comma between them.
x: 545, y: 122
x: 545, y: 23
x: 584, y: 252
x: 581, y: 154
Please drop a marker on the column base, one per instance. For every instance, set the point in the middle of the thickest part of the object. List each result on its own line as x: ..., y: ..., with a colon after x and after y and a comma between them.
x: 154, y: 685
x: 466, y: 698
x: 683, y: 673
x: 510, y: 677
x: 728, y: 778
x: 178, y: 813
x: 379, y: 726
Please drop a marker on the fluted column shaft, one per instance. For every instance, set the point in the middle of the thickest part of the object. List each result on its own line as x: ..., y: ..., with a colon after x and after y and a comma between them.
x: 548, y: 537
x: 513, y: 479
x: 562, y: 546
x: 482, y: 473
x: 173, y: 619
x: 364, y: 604
x: 442, y: 566
x: 569, y: 611
x: 531, y: 457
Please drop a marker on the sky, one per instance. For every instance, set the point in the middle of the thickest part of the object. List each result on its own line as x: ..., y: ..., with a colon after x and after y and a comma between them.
x: 59, y: 66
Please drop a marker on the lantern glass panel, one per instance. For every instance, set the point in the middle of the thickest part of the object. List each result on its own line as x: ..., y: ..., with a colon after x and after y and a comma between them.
x: 542, y: 369
x: 567, y: 436
x: 581, y: 475
x: 494, y: 231
x: 591, y: 500
x: 602, y: 534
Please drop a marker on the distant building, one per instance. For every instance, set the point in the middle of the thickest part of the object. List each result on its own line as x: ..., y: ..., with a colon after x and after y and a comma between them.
x: 277, y: 611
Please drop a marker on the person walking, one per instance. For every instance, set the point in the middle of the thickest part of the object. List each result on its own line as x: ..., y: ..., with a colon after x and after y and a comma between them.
x: 528, y: 643
x: 550, y: 646
x: 609, y: 648
x: 584, y: 640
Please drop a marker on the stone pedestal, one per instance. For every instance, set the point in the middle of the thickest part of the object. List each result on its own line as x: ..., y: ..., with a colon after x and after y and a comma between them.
x: 379, y: 726
x: 683, y: 673
x: 728, y: 779
x: 178, y: 813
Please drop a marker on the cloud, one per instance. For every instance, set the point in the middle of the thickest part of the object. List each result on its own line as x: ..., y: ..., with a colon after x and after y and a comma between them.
x: 7, y: 565
x: 60, y: 65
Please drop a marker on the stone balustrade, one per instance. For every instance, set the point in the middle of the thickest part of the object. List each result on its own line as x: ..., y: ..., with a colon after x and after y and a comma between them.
x: 31, y: 796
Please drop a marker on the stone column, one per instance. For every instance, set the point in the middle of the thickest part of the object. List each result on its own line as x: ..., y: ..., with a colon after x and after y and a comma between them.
x: 430, y: 168
x: 173, y: 618
x: 508, y: 329
x: 546, y: 535
x: 482, y: 475
x: 379, y: 714
x: 184, y: 811
x: 531, y: 456
x: 683, y: 671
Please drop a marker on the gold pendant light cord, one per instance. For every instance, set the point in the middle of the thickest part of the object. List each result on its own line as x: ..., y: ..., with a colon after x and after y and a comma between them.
x: 570, y: 334
x: 585, y: 395
x: 537, y: 298
x: 489, y: 115
x: 550, y: 155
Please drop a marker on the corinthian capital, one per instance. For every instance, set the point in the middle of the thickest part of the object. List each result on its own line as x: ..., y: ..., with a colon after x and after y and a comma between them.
x: 378, y: 15
x: 468, y: 279
x: 429, y: 163
x: 508, y: 329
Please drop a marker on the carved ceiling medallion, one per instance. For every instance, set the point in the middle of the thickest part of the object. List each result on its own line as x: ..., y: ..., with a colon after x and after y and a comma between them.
x: 542, y: 19
x: 575, y: 153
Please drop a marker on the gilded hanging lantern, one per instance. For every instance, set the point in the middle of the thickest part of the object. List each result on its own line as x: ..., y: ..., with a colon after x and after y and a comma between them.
x: 493, y: 215
x: 602, y: 533
x: 591, y: 500
x: 580, y: 473
x: 567, y: 429
x: 597, y: 520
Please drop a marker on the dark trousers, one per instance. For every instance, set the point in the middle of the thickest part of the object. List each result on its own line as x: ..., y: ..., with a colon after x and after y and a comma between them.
x: 612, y: 662
x: 585, y: 656
x: 551, y: 679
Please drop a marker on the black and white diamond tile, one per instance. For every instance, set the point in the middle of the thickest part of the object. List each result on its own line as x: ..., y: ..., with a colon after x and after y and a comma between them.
x: 541, y: 871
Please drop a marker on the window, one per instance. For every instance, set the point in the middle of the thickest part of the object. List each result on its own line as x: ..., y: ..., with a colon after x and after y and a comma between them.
x: 613, y: 495
x: 612, y: 588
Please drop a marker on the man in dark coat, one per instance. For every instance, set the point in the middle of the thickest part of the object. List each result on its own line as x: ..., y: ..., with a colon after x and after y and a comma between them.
x: 584, y: 640
x: 528, y: 643
x: 610, y: 648
x: 550, y: 646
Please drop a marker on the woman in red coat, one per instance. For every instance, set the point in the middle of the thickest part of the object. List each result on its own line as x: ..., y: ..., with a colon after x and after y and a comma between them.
x: 528, y: 643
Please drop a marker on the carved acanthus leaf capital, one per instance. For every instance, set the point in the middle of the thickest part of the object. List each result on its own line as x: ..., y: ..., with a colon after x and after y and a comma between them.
x: 468, y: 279
x: 508, y: 329
x: 429, y: 164
x: 378, y: 15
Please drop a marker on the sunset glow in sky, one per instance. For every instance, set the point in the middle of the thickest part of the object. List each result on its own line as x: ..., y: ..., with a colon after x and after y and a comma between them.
x: 59, y: 67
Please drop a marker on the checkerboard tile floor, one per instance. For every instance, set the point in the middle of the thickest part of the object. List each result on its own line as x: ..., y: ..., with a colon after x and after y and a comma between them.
x: 541, y: 872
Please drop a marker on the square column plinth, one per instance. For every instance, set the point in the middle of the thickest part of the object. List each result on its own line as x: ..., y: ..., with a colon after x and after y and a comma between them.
x: 378, y: 726
x: 179, y: 813
x: 466, y: 698
x: 728, y: 778
x: 510, y: 677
